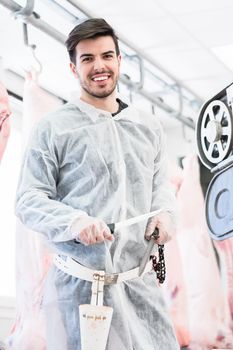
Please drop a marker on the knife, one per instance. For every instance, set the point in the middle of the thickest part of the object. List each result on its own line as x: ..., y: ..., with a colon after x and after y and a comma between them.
x: 115, y: 226
x: 146, y: 256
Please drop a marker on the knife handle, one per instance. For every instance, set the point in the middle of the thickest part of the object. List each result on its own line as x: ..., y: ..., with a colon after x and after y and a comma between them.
x: 111, y: 227
x: 155, y: 234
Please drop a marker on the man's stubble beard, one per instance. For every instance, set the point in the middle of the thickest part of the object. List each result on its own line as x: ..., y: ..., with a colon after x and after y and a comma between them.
x: 103, y: 94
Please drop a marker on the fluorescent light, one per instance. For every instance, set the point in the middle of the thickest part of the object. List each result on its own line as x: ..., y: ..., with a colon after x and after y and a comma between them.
x: 225, y: 54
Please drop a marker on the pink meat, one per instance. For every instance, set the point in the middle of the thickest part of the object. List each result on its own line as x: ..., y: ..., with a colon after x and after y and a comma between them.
x: 209, y: 315
x: 225, y: 251
x: 176, y: 294
x: 5, y: 112
x: 32, y: 258
x: 174, y: 287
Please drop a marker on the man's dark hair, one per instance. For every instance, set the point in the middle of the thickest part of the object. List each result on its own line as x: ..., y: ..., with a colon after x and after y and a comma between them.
x: 89, y: 29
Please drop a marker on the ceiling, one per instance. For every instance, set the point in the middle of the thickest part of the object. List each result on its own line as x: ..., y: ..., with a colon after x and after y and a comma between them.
x: 181, y: 39
x: 180, y: 35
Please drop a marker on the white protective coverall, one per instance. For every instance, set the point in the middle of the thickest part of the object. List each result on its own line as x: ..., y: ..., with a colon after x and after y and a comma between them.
x: 82, y: 160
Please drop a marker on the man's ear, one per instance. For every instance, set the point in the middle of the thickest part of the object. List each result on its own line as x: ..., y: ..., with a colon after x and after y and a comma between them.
x: 73, y: 70
x: 119, y: 60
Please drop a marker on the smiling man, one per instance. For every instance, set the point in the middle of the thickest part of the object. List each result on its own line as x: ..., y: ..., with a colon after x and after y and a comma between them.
x: 97, y: 161
x: 97, y: 68
x: 95, y: 61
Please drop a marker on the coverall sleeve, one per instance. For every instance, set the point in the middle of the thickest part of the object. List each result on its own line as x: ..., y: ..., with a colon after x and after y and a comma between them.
x: 163, y: 194
x: 36, y: 198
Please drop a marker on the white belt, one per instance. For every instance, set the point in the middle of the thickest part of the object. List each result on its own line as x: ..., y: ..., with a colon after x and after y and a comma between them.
x: 73, y: 268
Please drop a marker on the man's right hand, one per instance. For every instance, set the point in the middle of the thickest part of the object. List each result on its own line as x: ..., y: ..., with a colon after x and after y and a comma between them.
x: 89, y: 230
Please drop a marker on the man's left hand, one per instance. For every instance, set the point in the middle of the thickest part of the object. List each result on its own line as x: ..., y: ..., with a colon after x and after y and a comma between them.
x: 165, y: 226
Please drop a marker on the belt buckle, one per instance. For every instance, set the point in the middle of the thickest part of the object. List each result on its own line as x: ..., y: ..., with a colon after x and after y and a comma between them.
x: 99, y: 276
x: 111, y: 278
x: 97, y: 288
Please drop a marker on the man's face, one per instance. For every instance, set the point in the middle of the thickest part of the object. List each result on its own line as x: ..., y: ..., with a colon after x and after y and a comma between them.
x: 97, y: 67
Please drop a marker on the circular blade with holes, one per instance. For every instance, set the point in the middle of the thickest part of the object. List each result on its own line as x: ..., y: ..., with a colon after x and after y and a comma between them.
x: 214, y: 133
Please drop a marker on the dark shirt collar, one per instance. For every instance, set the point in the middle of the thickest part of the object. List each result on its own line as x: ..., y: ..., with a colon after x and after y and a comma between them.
x: 121, y: 106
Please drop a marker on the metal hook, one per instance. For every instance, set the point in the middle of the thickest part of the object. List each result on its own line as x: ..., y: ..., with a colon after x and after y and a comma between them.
x: 186, y: 138
x: 153, y: 109
x: 140, y: 83
x: 33, y: 50
x: 180, y: 100
x: 32, y: 47
x: 23, y: 15
x: 25, y: 11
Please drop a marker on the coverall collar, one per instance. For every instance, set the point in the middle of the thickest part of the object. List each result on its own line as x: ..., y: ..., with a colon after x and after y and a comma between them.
x: 93, y: 112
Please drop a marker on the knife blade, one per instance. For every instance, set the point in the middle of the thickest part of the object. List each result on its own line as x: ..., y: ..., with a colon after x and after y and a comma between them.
x: 115, y: 226
x: 148, y: 252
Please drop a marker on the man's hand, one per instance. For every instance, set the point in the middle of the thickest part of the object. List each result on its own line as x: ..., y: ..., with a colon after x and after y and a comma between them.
x: 89, y: 230
x: 165, y: 226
